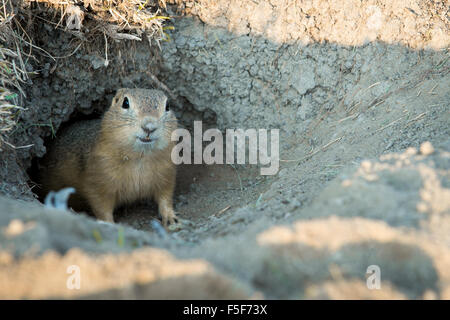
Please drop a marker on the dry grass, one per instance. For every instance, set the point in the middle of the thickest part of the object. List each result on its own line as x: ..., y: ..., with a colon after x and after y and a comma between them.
x: 117, y: 19
x: 12, y: 73
x: 86, y: 20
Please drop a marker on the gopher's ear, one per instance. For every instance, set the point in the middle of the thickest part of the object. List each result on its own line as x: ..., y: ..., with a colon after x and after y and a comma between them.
x: 119, y: 93
x: 164, y: 102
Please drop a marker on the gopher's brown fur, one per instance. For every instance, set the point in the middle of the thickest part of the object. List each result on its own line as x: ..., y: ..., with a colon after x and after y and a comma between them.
x: 119, y: 159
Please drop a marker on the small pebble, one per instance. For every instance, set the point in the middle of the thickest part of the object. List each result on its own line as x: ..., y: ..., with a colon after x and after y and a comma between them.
x: 426, y: 148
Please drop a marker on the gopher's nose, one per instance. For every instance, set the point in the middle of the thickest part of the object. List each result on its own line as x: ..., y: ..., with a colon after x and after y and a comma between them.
x: 149, y: 128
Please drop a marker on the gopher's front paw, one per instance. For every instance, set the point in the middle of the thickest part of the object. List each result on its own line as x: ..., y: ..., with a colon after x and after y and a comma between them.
x: 169, y: 218
x: 180, y: 224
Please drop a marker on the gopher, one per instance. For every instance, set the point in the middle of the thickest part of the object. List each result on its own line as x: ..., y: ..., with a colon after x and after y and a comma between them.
x: 123, y: 157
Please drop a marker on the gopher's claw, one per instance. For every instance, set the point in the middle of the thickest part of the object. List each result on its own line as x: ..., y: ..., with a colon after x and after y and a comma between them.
x: 169, y: 219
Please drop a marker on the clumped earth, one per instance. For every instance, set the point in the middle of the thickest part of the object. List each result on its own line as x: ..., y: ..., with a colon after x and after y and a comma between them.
x: 359, y: 91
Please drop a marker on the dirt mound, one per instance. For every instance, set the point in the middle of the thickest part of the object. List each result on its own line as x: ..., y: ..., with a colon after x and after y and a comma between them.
x: 360, y: 94
x: 324, y: 251
x: 143, y: 274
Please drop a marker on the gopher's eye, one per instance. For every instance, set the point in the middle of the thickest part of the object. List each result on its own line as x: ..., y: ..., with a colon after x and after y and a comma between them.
x: 126, y: 103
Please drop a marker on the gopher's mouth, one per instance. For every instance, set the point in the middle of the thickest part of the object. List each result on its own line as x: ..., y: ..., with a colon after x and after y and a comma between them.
x: 145, y: 139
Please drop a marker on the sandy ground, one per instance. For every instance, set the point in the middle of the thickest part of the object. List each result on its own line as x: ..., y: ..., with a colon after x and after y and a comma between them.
x: 360, y: 95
